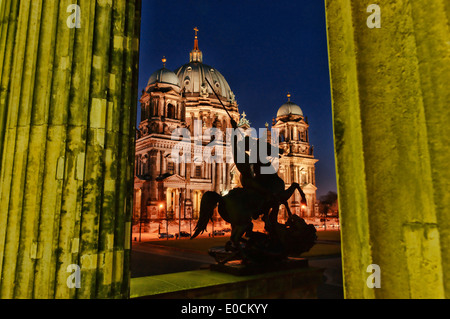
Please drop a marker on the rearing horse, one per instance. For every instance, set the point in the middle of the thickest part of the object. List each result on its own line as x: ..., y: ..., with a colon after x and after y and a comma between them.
x: 262, y: 194
x: 239, y: 207
x: 268, y: 184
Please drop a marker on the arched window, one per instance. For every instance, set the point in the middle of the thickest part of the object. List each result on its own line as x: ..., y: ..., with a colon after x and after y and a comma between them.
x: 170, y: 167
x: 154, y: 109
x: 302, y: 136
x: 198, y: 171
x: 171, y: 111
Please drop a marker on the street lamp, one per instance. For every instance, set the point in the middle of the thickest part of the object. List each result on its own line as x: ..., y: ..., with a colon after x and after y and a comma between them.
x: 179, y: 215
x: 167, y: 223
x: 303, y: 210
x: 140, y: 226
x: 161, y: 206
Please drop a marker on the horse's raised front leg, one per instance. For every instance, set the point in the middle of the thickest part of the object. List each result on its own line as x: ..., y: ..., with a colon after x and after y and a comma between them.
x: 285, y: 203
x: 284, y: 196
x: 302, y: 194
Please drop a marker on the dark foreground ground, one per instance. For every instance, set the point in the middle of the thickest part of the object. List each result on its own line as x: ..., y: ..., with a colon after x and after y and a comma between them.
x: 158, y: 257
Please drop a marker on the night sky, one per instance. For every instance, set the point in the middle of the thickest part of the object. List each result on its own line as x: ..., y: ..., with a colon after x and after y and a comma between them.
x: 264, y: 49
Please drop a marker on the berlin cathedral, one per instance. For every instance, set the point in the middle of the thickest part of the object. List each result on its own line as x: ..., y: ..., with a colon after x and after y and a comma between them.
x: 166, y: 191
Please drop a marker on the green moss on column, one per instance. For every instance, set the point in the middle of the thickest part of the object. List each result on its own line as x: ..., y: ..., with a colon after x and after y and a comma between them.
x: 391, y: 140
x: 13, y: 169
x: 62, y: 201
x: 348, y: 145
x: 433, y: 47
x: 9, y: 27
x: 107, y: 248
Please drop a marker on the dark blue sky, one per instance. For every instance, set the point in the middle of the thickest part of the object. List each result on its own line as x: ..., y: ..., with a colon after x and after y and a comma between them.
x: 264, y: 49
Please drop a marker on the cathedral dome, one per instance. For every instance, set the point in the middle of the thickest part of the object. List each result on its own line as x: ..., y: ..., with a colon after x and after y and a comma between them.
x: 192, y: 78
x: 289, y: 108
x: 164, y: 76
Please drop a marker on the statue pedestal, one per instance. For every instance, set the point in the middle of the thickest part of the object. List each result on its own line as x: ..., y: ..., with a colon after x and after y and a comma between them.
x: 235, y: 266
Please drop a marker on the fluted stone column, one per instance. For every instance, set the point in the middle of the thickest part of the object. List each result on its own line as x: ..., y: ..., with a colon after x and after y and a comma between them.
x: 67, y: 114
x: 218, y: 177
x: 391, y: 124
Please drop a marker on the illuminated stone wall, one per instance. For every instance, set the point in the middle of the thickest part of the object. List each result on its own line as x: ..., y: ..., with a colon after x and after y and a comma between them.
x: 67, y: 124
x: 391, y: 97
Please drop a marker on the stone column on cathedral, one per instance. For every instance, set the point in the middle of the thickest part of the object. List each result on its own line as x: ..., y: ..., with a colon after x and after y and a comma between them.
x: 164, y: 107
x: 217, y: 177
x: 228, y: 177
x: 161, y: 107
x: 136, y: 166
x: 154, y: 159
x: 183, y: 169
x: 213, y: 175
x: 293, y: 174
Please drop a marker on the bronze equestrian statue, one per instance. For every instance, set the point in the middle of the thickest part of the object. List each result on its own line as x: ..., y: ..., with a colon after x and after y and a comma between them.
x: 261, y: 195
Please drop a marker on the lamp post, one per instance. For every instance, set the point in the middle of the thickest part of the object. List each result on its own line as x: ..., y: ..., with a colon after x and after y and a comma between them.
x: 167, y: 225
x: 140, y: 226
x: 303, y: 211
x: 179, y: 215
x: 159, y: 225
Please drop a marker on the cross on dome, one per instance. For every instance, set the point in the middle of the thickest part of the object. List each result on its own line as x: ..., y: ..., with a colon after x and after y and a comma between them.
x: 196, y: 39
x: 196, y: 55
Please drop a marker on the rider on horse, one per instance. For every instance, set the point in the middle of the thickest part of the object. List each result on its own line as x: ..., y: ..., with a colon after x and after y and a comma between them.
x: 264, y: 184
x: 249, y: 171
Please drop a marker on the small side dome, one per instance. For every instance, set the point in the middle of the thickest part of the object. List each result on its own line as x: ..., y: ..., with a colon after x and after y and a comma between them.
x: 289, y: 108
x: 164, y: 76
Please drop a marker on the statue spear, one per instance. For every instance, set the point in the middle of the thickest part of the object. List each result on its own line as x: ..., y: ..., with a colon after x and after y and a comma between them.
x: 218, y: 98
x: 222, y: 104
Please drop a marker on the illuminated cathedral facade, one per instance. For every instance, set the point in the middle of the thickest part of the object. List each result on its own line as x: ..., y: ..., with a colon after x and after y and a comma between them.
x: 167, y: 191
